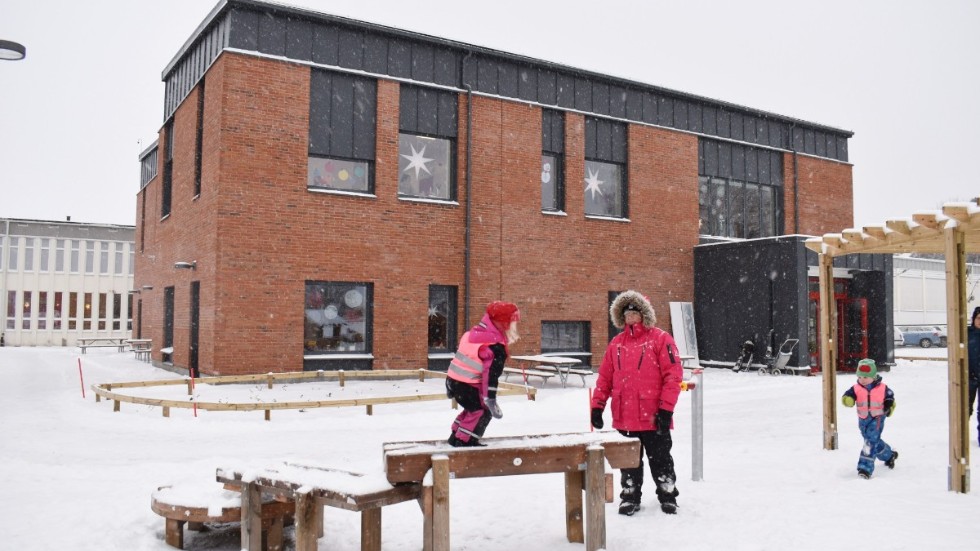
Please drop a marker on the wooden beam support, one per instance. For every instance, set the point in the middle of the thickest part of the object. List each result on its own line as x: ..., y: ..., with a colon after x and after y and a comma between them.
x: 828, y: 351
x: 959, y: 414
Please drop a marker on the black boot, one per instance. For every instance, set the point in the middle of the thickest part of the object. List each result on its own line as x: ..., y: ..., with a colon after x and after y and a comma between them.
x: 891, y: 460
x: 628, y: 508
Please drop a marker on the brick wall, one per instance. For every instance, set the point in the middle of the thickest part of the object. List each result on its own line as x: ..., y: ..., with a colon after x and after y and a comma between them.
x: 826, y: 199
x: 259, y: 234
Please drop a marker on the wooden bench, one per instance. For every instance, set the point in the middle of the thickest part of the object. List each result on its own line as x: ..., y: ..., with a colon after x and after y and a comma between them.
x: 312, y: 487
x: 141, y: 348
x: 582, y: 457
x: 544, y: 375
x: 180, y: 505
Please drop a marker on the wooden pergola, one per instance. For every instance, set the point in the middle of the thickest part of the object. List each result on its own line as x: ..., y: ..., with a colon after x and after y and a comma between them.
x: 952, y: 231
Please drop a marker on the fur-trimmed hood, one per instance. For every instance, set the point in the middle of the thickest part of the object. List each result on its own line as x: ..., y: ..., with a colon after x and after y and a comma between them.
x: 632, y: 297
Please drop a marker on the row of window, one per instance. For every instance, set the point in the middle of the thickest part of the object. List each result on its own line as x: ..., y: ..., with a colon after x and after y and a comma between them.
x: 341, y: 157
x: 71, y: 310
x: 27, y: 254
x: 337, y: 320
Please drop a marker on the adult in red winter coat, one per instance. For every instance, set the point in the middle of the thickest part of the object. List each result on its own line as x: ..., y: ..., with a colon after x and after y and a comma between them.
x: 474, y: 372
x: 641, y: 371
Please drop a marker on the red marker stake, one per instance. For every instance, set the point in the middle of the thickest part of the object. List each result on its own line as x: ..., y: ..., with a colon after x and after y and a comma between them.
x: 80, y: 378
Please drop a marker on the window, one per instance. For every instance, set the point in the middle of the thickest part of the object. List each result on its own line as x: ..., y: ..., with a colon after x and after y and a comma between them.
x: 45, y: 255
x: 59, y: 299
x: 342, y: 132
x: 72, y: 311
x: 59, y: 256
x: 565, y: 336
x: 116, y: 313
x: 26, y: 316
x: 442, y: 318
x: 427, y: 143
x: 552, y: 160
x: 199, y: 142
x: 605, y: 168
x: 11, y: 309
x: 337, y: 317
x: 29, y: 254
x: 168, y: 325
x: 730, y: 208
x: 168, y: 169
x: 118, y: 267
x: 13, y: 246
x: 90, y: 257
x: 103, y: 310
x: 129, y: 314
x: 103, y: 257
x: 87, y: 320
x: 42, y: 310
x: 75, y: 245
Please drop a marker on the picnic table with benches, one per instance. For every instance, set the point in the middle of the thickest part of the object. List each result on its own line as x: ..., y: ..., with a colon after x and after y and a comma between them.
x: 101, y: 342
x: 540, y: 365
x: 141, y: 348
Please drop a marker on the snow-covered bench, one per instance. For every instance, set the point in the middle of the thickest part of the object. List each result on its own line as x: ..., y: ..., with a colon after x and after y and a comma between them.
x: 311, y: 487
x: 197, y: 506
x: 544, y: 375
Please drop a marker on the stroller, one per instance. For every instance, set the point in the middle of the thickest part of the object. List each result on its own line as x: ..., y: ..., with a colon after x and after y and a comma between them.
x: 773, y: 364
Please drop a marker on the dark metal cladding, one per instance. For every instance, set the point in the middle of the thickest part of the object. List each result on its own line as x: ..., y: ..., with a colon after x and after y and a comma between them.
x: 346, y: 44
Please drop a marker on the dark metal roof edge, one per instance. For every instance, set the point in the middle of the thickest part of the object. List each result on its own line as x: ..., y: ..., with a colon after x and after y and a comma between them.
x: 466, y: 47
x: 67, y: 223
x: 148, y: 149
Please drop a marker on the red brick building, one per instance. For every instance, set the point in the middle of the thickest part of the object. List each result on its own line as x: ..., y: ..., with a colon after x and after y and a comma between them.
x: 328, y: 193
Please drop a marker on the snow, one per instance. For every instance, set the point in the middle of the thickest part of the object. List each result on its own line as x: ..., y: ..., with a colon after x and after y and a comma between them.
x: 78, y: 476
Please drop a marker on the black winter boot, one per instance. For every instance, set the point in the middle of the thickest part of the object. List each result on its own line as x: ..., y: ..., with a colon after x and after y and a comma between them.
x: 891, y: 460
x: 628, y: 508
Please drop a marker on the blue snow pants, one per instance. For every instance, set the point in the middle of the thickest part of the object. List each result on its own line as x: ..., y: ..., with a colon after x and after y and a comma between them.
x: 874, y: 447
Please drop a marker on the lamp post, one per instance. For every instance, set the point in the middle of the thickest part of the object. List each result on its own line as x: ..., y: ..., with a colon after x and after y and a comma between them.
x: 12, y: 51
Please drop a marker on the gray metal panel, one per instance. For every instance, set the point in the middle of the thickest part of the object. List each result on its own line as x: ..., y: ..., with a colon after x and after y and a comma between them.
x: 617, y: 101
x: 764, y: 176
x: 776, y: 134
x: 547, y: 87
x: 486, y: 75
x: 649, y: 108
x: 710, y: 157
x: 591, y: 141
x: 408, y: 112
x: 446, y: 68
x: 566, y: 91
x: 751, y: 164
x: 620, y: 141
x: 326, y: 44
x: 710, y: 119
x: 507, y: 79
x: 738, y: 126
x: 351, y: 49
x: 819, y: 143
x: 776, y: 168
x: 809, y: 141
x: 272, y: 35
x: 724, y: 160
x: 603, y: 140
x: 724, y: 123
x: 600, y: 98
x: 423, y: 62
x: 341, y: 129
x: 376, y: 54
x: 665, y: 111
x: 527, y: 83
x: 552, y: 131
x: 762, y: 131
x: 399, y: 58
x: 842, y: 148
x: 701, y: 157
x: 634, y: 105
x: 299, y: 39
x: 448, y: 113
x: 321, y: 92
x: 694, y: 118
x: 583, y: 94
x: 738, y: 162
x: 427, y: 104
x: 365, y: 117
x: 244, y: 31
x: 797, y: 142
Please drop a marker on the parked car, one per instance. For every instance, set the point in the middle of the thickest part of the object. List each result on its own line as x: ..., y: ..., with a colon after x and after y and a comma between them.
x: 923, y: 335
x: 899, y: 337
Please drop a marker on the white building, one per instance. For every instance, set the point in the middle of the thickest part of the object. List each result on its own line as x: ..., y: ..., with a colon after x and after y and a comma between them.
x: 920, y: 290
x: 63, y: 280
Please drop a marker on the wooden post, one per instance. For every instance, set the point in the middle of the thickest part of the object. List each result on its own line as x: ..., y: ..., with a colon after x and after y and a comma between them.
x: 421, y: 375
x: 340, y: 377
x: 268, y: 415
x: 425, y: 503
x: 371, y: 529
x: 251, y: 517
x: 828, y: 350
x: 595, y: 503
x: 956, y: 318
x: 269, y: 380
x: 370, y: 409
x: 115, y: 405
x: 166, y: 411
x: 306, y: 522
x: 574, y: 484
x: 440, y: 503
x: 190, y: 387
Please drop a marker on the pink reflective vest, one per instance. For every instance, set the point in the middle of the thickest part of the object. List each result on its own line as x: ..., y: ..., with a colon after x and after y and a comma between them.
x: 467, y: 365
x: 872, y: 403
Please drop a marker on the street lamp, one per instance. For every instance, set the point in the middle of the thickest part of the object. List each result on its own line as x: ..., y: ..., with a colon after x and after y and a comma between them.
x: 12, y: 51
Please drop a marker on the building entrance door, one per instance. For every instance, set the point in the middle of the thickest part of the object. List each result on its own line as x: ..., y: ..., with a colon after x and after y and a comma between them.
x: 852, y: 326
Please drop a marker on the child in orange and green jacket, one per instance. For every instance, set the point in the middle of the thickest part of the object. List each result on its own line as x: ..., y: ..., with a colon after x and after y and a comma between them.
x: 874, y: 401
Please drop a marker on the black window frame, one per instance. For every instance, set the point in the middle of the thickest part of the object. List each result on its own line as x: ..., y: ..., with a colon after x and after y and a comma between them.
x: 735, y: 223
x: 429, y: 113
x: 338, y: 289
x: 199, y: 140
x: 443, y: 299
x: 168, y: 325
x: 553, y: 148
x: 342, y: 130
x: 166, y: 189
x: 606, y: 144
x: 585, y: 339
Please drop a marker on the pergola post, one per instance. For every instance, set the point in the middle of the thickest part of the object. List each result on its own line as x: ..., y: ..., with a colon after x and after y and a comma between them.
x: 828, y: 350
x: 959, y: 415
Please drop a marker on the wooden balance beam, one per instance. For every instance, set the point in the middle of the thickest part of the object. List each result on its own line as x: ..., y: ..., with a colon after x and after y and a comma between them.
x: 582, y: 458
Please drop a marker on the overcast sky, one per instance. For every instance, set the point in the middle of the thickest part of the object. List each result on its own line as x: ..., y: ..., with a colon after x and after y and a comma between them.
x: 903, y: 75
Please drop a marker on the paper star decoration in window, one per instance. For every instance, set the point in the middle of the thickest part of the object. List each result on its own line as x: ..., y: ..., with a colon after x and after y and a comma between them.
x: 433, y: 311
x: 417, y: 160
x: 593, y: 183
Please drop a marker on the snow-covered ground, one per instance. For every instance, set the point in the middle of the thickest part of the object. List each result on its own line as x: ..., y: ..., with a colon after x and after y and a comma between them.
x: 77, y: 476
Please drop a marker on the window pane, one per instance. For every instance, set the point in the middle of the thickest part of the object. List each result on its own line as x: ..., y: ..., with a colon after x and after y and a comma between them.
x: 45, y: 252
x: 752, y: 227
x: 565, y: 336
x: 90, y: 257
x: 87, y: 321
x: 26, y: 316
x: 704, y: 206
x: 75, y: 244
x: 331, y: 173
x: 42, y: 310
x: 603, y: 189
x: 103, y: 257
x: 11, y: 309
x: 425, y: 167
x: 336, y: 317
x: 58, y: 300
x: 72, y: 311
x: 59, y: 258
x: 768, y: 211
x: 719, y: 208
x: 552, y: 195
x: 442, y: 318
x: 736, y: 205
